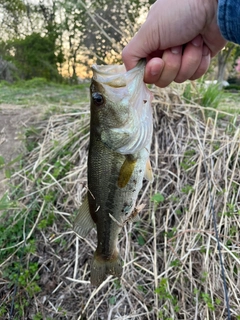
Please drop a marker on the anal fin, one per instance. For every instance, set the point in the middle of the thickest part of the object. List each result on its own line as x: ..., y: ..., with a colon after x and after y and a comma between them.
x: 83, y: 222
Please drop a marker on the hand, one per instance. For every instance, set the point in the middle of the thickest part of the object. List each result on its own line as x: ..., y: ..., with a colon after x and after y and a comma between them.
x: 178, y: 39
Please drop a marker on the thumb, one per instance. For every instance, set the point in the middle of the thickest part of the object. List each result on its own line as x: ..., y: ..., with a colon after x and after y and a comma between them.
x: 139, y: 47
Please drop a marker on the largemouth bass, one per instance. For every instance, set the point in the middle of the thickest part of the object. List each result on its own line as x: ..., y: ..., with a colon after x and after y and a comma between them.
x: 120, y: 139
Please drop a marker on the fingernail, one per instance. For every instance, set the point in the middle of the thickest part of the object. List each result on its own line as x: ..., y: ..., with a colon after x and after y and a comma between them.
x: 205, y: 51
x: 176, y: 50
x: 197, y: 41
x: 153, y: 72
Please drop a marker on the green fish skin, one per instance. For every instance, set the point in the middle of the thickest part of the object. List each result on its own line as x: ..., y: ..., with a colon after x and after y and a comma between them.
x: 118, y: 160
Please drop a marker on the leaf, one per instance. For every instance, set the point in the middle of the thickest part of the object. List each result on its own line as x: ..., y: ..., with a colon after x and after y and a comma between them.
x: 8, y: 173
x: 158, y: 198
x: 112, y: 300
x: 2, y: 161
x: 4, y: 202
x: 141, y: 240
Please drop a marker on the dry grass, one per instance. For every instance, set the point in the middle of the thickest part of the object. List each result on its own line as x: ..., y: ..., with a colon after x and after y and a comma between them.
x: 171, y: 261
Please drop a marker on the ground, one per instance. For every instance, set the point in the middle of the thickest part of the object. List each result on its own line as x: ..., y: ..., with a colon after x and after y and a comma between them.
x: 13, y: 120
x: 171, y: 263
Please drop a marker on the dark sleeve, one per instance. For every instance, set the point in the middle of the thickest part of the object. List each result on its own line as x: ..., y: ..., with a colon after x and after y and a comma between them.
x: 229, y: 19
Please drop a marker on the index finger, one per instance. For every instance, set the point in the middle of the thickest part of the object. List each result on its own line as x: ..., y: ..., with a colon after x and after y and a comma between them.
x: 132, y: 53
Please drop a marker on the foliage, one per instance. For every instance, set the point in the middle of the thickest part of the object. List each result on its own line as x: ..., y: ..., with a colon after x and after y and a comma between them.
x: 206, y: 95
x: 11, y: 12
x: 211, y: 96
x: 109, y: 25
x: 34, y: 56
x: 12, y: 5
x: 67, y: 34
x: 234, y: 80
x: 232, y: 87
x: 8, y: 71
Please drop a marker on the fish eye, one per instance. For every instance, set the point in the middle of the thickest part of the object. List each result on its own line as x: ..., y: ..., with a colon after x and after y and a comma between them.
x: 98, y: 98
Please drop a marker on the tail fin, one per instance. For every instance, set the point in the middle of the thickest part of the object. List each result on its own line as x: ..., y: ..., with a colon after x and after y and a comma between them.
x: 102, y: 267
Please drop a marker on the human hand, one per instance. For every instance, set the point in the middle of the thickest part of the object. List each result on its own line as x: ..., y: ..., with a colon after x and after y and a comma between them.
x: 178, y: 39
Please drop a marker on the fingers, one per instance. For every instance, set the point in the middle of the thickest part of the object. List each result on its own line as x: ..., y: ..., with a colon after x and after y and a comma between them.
x: 191, y: 59
x: 174, y: 65
x: 153, y: 70
x: 141, y: 46
x: 170, y: 65
x: 177, y: 66
x: 204, y: 64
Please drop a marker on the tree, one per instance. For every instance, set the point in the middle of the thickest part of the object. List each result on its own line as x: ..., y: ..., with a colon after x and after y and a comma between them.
x: 11, y: 13
x: 109, y: 25
x: 73, y: 27
x: 77, y: 32
x: 34, y: 56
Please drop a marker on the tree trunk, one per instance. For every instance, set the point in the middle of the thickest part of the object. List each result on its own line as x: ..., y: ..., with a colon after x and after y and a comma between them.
x: 221, y: 69
x: 222, y: 62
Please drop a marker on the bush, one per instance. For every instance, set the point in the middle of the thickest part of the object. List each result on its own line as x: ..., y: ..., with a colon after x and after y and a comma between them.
x: 232, y: 87
x: 34, y: 56
x: 234, y: 81
x: 210, y: 96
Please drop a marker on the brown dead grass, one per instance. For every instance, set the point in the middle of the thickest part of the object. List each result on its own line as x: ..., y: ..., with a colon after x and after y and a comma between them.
x: 172, y: 249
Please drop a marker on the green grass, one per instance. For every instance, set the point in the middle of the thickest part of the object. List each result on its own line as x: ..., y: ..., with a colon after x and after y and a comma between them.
x: 230, y: 102
x: 211, y: 98
x: 38, y: 91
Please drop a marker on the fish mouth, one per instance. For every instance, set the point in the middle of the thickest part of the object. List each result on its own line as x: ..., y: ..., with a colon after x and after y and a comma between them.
x: 116, y: 76
x: 113, y: 76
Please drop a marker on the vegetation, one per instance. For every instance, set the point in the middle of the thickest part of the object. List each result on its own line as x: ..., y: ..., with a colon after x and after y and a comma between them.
x: 171, y: 263
x: 39, y: 91
x: 62, y: 37
x: 34, y: 56
x: 211, y: 97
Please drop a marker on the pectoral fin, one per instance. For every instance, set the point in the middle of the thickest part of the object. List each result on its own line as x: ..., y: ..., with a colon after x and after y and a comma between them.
x: 148, y: 171
x: 126, y: 171
x: 83, y: 222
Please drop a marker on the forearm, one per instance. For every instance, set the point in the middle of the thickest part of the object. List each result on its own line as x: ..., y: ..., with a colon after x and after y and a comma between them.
x: 229, y: 19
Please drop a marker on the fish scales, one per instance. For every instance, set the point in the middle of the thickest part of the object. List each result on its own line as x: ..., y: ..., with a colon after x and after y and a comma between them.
x: 120, y: 138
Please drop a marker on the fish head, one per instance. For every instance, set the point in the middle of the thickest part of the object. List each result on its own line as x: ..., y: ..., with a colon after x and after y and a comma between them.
x: 121, y: 111
x: 109, y: 97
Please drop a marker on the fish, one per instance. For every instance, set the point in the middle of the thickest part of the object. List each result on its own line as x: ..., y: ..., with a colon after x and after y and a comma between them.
x: 121, y: 127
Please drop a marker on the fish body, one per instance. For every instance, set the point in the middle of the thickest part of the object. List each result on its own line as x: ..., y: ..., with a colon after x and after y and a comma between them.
x: 118, y: 159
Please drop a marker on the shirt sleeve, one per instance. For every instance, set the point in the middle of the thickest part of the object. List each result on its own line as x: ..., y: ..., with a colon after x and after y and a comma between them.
x: 229, y: 19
